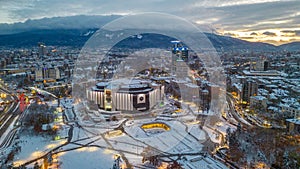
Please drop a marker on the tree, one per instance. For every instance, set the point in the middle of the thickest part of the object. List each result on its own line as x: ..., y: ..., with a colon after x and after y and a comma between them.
x: 175, y: 165
x: 235, y: 152
x: 291, y: 160
x: 39, y: 115
x: 228, y: 133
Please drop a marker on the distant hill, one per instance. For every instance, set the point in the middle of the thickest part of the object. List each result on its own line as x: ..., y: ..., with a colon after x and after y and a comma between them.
x: 76, y: 30
x: 68, y: 22
x: 56, y: 37
x: 227, y: 43
x: 294, y: 46
x: 77, y: 37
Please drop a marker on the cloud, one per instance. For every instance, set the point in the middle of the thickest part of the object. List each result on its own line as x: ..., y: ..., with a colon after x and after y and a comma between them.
x: 233, y: 14
x: 228, y: 3
x: 260, y: 16
x: 297, y: 40
x: 291, y: 32
x: 230, y: 34
x: 218, y: 15
x: 53, y: 8
x: 253, y: 34
x: 247, y: 38
x: 287, y: 31
x: 269, y: 33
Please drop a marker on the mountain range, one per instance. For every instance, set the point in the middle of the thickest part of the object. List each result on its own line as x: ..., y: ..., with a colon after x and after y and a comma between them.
x: 76, y: 30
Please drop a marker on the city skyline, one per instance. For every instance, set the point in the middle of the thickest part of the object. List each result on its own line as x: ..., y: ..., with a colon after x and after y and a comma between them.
x: 146, y: 91
x: 271, y: 21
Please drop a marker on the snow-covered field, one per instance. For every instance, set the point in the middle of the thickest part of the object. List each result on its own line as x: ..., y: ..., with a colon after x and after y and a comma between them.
x: 95, y: 145
x: 34, y: 146
x: 87, y: 158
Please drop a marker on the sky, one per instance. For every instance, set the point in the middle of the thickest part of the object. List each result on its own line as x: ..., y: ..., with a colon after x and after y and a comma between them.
x: 272, y: 21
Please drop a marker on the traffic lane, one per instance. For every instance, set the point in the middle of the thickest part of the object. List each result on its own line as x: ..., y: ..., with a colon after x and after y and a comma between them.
x: 7, y: 116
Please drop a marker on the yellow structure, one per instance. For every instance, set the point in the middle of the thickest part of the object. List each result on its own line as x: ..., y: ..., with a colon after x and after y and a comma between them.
x: 155, y: 125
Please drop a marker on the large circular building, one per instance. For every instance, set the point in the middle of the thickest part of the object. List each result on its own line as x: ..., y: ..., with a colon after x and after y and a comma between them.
x: 136, y: 95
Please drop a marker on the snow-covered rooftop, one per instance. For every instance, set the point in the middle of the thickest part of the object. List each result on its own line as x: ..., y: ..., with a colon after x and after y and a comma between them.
x: 295, y: 121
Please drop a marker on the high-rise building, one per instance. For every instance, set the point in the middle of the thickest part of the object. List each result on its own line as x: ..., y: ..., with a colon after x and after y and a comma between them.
x: 179, y: 58
x: 260, y: 65
x: 45, y: 73
x: 54, y: 73
x: 266, y: 65
x: 38, y: 74
x: 42, y: 50
x: 249, y: 88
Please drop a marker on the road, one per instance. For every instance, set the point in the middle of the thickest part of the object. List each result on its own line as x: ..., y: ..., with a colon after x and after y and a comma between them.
x: 43, y: 92
x: 7, y: 116
x: 234, y: 113
x: 246, y: 119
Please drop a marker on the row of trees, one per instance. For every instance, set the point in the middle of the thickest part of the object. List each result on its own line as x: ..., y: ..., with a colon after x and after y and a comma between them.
x: 258, y: 147
x: 38, y: 115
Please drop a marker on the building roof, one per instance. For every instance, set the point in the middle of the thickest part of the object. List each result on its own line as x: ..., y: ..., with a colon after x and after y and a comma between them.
x: 295, y: 121
x: 258, y: 97
x: 261, y: 73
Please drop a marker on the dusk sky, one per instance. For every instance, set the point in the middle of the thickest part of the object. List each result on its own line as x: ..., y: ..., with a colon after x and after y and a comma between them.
x: 271, y: 21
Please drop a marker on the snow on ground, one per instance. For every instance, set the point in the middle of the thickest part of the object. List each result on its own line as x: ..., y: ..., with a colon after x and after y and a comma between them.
x: 79, y: 133
x: 87, y: 158
x: 128, y: 144
x: 34, y: 146
x: 102, y: 124
x: 196, y: 111
x: 200, y: 162
x: 214, y: 135
x: 222, y: 127
x: 180, y: 138
x: 63, y: 131
x: 134, y: 159
x: 175, y: 140
x: 197, y: 132
x: 69, y: 114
